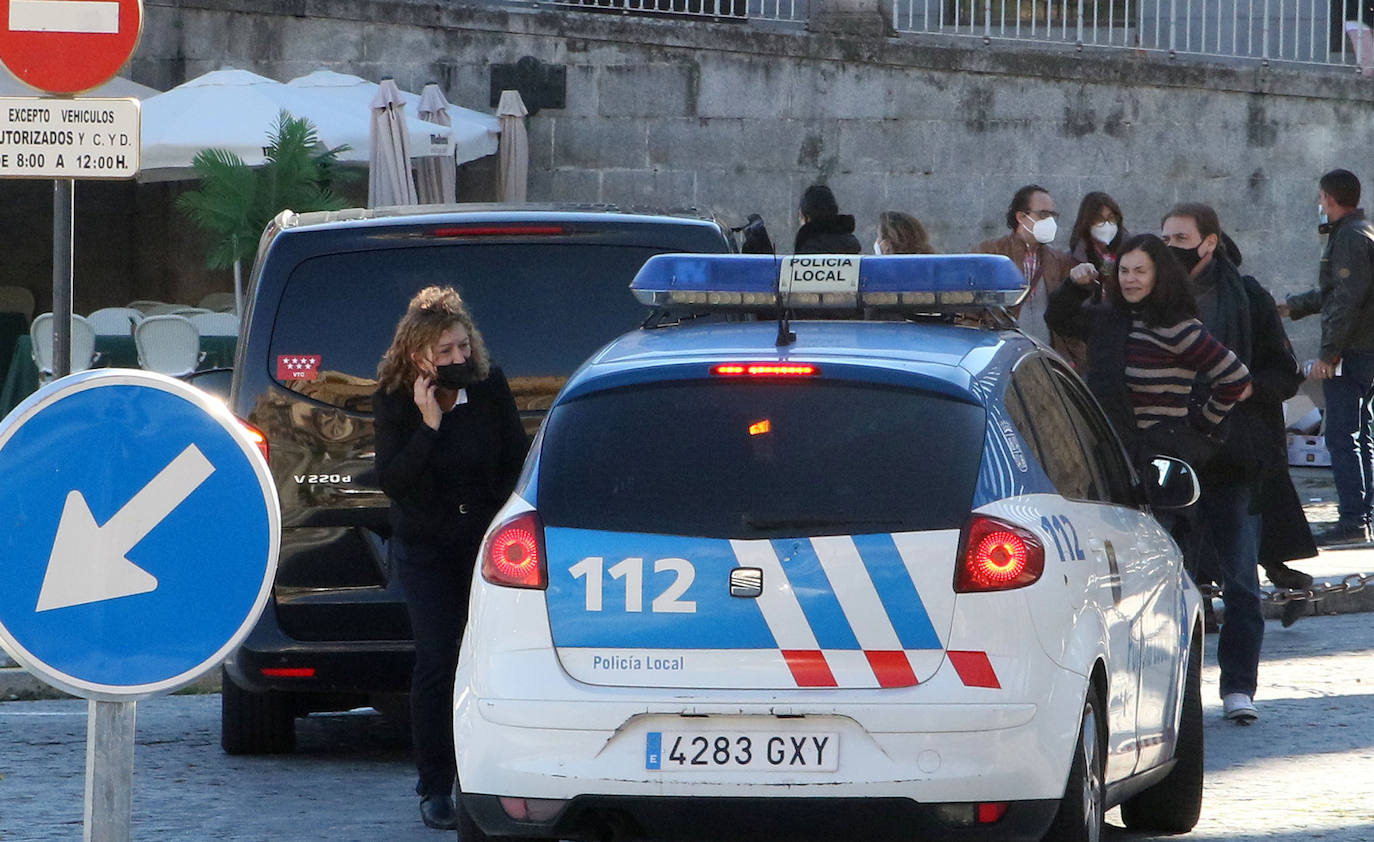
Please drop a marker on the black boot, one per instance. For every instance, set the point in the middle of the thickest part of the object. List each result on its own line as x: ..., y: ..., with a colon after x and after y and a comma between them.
x: 437, y: 811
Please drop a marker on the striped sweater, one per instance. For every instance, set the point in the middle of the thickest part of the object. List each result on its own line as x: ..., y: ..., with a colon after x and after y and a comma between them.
x: 1163, y: 362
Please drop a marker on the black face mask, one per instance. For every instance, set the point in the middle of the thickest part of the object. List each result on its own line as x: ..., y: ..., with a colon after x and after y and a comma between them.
x: 1188, y: 257
x: 455, y: 375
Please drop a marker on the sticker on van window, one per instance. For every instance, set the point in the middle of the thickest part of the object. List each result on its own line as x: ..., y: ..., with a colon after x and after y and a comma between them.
x: 298, y: 367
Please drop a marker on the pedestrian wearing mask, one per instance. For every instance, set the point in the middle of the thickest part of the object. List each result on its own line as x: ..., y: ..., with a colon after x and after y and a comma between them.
x: 1097, y: 235
x: 1242, y: 315
x: 901, y: 233
x: 824, y: 230
x: 1033, y: 222
x: 449, y: 446
x: 1345, y: 364
x: 1236, y: 309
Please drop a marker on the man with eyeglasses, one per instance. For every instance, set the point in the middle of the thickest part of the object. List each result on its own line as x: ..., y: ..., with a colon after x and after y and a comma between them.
x: 1033, y: 221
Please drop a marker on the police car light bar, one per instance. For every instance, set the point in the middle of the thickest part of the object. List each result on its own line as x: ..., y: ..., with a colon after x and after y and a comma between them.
x: 821, y: 281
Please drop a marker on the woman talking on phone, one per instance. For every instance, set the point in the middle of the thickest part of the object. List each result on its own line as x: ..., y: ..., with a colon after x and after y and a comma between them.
x: 449, y: 448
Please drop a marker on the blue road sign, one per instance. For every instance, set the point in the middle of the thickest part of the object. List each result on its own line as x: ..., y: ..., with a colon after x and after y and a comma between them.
x: 141, y: 534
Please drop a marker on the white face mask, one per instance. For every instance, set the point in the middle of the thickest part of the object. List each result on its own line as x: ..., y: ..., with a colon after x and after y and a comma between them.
x: 1104, y: 232
x: 877, y: 246
x: 1044, y: 230
x: 1321, y: 215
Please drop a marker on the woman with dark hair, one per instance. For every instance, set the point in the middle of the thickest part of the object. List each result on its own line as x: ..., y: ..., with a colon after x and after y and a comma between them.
x: 1146, y: 348
x: 1098, y: 234
x: 449, y: 448
x: 824, y: 230
x: 901, y: 233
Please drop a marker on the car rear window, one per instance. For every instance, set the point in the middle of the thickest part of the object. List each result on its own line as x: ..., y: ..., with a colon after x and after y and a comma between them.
x: 760, y: 459
x: 542, y: 307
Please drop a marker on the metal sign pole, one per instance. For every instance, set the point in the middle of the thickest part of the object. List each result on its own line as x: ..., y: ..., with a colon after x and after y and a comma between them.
x: 63, y: 225
x: 109, y: 771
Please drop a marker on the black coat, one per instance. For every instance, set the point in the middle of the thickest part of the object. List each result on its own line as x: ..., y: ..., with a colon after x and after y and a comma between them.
x: 1246, y: 321
x: 445, y: 485
x: 1105, y: 330
x: 831, y: 235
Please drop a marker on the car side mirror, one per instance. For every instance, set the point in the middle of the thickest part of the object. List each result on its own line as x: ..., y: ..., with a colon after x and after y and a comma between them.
x: 1171, y: 483
x: 216, y: 381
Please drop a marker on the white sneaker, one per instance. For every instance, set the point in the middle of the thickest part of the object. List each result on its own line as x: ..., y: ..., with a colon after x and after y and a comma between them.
x: 1240, y: 708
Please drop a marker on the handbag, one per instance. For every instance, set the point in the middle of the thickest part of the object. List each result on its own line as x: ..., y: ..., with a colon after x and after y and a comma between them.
x: 1182, y: 441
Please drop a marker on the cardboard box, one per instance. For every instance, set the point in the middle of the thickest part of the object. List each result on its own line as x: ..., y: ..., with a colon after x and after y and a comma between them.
x: 1309, y: 451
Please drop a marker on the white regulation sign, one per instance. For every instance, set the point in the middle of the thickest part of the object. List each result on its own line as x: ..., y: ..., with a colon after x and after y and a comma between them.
x: 69, y: 138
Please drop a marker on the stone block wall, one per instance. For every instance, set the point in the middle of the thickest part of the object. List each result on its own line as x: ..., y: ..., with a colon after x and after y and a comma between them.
x: 733, y: 119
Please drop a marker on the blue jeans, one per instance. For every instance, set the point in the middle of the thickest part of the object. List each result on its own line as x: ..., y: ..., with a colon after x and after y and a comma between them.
x: 1349, y: 437
x: 1226, y: 548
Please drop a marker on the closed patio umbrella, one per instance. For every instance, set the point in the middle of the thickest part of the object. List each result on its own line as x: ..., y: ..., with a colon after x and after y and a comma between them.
x: 436, y: 176
x: 515, y: 147
x: 474, y: 132
x: 389, y: 181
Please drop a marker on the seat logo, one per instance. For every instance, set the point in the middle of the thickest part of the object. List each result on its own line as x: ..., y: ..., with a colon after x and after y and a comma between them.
x: 746, y: 582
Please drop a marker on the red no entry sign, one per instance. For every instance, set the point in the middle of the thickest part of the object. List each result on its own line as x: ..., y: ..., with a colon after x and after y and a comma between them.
x: 68, y: 46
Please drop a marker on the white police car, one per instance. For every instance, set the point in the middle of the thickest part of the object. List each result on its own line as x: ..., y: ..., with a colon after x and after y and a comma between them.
x: 876, y: 577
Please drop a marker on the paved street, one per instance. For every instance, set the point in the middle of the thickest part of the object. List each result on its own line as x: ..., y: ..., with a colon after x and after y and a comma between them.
x: 1302, y: 772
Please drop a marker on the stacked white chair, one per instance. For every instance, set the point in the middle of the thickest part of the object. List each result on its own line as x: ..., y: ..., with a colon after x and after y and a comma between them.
x: 220, y: 302
x: 168, y: 344
x: 216, y: 324
x: 82, y: 345
x: 114, y: 321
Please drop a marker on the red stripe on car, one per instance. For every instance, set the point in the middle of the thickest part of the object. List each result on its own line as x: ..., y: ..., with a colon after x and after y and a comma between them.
x: 809, y: 668
x: 974, y: 669
x: 891, y: 668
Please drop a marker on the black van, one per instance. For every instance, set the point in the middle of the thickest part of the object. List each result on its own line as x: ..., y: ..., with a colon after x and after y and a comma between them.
x: 548, y: 286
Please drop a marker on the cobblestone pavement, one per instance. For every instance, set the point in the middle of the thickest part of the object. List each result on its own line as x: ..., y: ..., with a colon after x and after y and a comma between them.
x: 1302, y: 772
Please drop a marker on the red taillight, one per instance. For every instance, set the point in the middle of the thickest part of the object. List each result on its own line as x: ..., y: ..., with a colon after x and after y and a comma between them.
x: 259, y: 438
x: 991, y: 813
x: 998, y: 557
x: 289, y: 672
x: 765, y: 370
x: 499, y: 231
x: 514, y: 554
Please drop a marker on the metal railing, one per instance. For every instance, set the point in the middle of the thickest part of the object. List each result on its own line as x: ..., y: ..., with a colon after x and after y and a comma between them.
x: 1310, y: 31
x: 1335, y: 32
x: 779, y: 10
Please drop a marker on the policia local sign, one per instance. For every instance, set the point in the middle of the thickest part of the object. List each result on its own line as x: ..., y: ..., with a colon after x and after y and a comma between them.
x: 69, y: 138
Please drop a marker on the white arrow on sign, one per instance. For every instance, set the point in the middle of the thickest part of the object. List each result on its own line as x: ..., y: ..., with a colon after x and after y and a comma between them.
x: 87, y: 563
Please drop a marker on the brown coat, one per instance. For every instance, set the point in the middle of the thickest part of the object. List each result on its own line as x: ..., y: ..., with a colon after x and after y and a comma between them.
x: 1053, y: 271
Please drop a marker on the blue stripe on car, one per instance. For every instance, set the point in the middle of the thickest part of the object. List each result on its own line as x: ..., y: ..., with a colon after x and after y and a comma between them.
x: 898, y: 593
x: 813, y: 591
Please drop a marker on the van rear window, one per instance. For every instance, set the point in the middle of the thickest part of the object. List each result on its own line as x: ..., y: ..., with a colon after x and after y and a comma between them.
x: 543, y: 308
x: 760, y: 459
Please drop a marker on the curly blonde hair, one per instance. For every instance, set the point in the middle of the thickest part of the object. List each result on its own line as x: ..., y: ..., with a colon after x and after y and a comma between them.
x: 432, y: 311
x: 904, y: 233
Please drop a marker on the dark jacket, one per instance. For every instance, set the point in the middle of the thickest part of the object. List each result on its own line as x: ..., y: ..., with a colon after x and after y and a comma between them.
x: 1104, y: 329
x: 831, y: 235
x: 445, y: 485
x: 1343, y: 287
x: 1241, y: 315
x: 1053, y: 272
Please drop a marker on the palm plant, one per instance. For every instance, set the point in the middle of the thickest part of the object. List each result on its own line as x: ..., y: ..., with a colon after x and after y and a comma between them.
x: 235, y: 201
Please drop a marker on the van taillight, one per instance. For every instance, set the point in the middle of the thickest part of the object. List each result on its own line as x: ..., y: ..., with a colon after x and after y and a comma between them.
x: 998, y: 557
x: 258, y: 436
x: 514, y: 555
